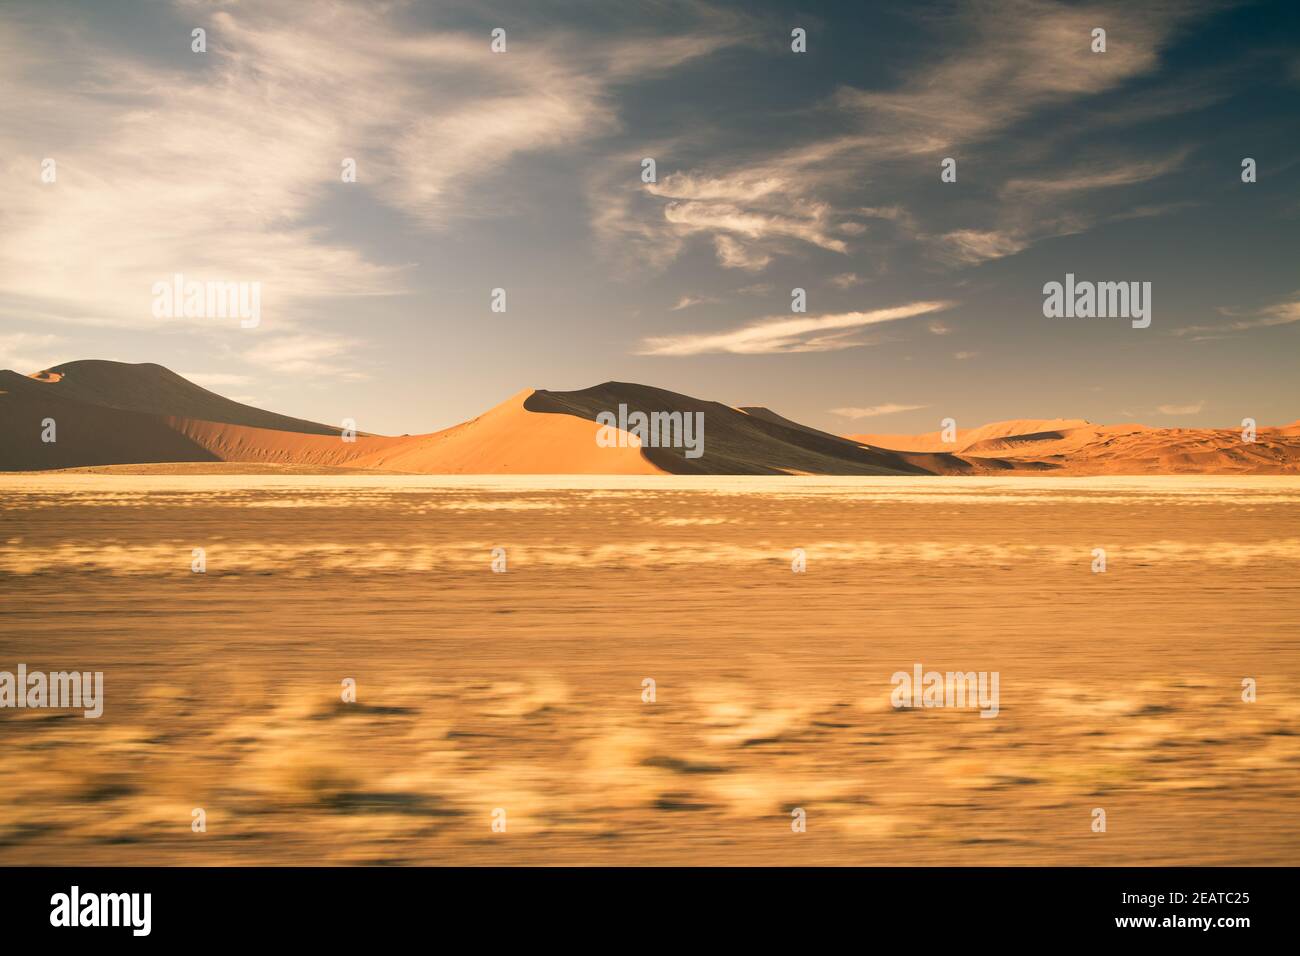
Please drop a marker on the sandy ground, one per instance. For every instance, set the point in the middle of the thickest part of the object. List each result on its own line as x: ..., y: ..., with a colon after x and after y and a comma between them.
x: 523, y: 691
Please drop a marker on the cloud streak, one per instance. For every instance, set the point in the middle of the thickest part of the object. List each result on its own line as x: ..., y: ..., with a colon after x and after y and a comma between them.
x: 1005, y: 63
x: 1280, y: 313
x: 28, y: 352
x: 776, y: 334
x: 1192, y: 409
x: 218, y: 166
x: 874, y: 411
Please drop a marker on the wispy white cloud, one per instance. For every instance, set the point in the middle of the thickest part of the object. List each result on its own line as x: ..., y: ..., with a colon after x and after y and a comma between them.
x: 970, y: 246
x: 753, y: 210
x: 1005, y: 63
x: 873, y: 411
x: 823, y: 333
x: 1097, y: 176
x: 733, y: 254
x: 1242, y: 320
x: 28, y: 352
x: 687, y: 301
x: 1032, y: 209
x: 1181, y: 409
x: 217, y: 167
x: 313, y: 356
x: 207, y: 169
x: 847, y: 280
x: 1013, y: 59
x: 748, y: 229
x: 543, y: 95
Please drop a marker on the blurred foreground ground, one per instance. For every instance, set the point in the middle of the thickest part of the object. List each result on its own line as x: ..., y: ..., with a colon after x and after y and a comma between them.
x: 523, y: 690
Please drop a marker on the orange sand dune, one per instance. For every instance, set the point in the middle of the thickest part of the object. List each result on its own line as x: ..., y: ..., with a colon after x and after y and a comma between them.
x: 505, y: 440
x: 112, y: 413
x: 966, y: 437
x: 1082, y: 448
x: 132, y: 414
x: 510, y: 440
x: 243, y: 443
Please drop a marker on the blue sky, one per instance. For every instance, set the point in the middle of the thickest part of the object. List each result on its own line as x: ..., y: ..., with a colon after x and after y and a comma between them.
x: 775, y: 170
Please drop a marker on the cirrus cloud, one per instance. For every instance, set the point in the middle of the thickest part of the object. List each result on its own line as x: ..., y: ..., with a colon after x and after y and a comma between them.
x: 825, y: 333
x: 1192, y: 409
x: 874, y: 411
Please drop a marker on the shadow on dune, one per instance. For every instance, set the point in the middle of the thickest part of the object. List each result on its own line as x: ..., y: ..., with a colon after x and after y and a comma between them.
x: 741, y: 442
x: 84, y: 434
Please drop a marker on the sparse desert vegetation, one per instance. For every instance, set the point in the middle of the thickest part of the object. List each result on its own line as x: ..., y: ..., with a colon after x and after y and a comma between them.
x: 523, y: 691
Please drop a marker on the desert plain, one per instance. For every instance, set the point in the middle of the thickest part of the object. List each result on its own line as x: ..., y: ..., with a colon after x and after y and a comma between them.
x: 524, y: 691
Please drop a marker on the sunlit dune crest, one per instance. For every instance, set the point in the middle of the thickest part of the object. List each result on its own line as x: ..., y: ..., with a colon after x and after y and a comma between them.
x: 114, y: 414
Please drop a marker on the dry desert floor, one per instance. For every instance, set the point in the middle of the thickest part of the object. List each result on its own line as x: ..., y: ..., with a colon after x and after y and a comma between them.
x: 522, y: 691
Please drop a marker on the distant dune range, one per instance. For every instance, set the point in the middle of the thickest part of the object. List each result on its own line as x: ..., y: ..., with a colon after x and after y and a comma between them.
x: 113, y: 413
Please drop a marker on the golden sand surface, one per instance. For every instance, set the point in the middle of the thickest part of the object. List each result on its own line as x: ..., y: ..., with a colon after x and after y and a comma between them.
x: 523, y: 691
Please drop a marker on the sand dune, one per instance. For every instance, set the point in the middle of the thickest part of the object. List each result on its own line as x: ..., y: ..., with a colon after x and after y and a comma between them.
x: 966, y: 437
x: 736, y: 443
x: 112, y: 413
x: 1074, y: 446
x: 155, y: 390
x: 86, y: 434
x: 512, y: 440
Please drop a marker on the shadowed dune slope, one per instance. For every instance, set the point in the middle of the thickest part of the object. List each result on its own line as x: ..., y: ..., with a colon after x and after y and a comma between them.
x: 733, y: 442
x: 84, y: 434
x: 742, y: 442
x: 87, y: 433
x: 111, y: 413
x: 156, y: 390
x: 504, y: 440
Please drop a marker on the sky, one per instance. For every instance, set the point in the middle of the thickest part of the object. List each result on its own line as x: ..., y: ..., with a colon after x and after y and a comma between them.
x: 774, y: 170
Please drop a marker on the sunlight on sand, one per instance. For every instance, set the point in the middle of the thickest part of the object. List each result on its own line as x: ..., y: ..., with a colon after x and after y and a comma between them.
x: 523, y: 690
